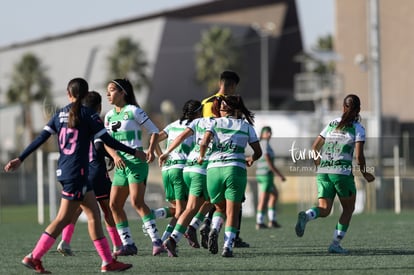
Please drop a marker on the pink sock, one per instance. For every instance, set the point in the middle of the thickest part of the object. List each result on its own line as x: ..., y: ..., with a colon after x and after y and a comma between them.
x: 102, y: 247
x: 68, y: 232
x: 43, y: 245
x: 113, y: 233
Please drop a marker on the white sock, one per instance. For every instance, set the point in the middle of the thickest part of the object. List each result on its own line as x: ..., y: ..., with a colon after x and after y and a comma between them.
x: 229, y: 239
x: 311, y: 214
x: 259, y: 217
x: 217, y: 223
x: 125, y: 234
x: 271, y: 214
x: 195, y: 223
x: 338, y: 236
x: 160, y: 213
x: 152, y: 230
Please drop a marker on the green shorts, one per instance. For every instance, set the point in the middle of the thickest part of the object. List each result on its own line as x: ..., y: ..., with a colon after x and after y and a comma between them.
x: 266, y: 183
x: 174, y: 185
x: 330, y: 185
x: 197, y: 183
x: 226, y: 183
x: 135, y: 171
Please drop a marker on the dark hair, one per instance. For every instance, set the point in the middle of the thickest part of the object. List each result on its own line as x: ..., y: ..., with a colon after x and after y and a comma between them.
x: 266, y: 129
x: 352, y: 107
x: 78, y: 88
x: 93, y: 100
x: 229, y: 78
x: 234, y: 105
x: 125, y: 86
x: 191, y: 110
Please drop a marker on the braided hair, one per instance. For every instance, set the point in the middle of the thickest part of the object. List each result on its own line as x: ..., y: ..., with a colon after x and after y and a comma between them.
x: 191, y: 110
x: 352, y: 107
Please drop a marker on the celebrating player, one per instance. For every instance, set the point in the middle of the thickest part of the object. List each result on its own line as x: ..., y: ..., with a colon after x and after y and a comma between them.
x: 336, y: 144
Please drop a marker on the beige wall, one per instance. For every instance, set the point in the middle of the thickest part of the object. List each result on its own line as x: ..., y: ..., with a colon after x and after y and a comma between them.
x: 397, y: 53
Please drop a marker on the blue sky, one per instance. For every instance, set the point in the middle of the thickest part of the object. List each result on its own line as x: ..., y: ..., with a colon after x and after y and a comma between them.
x: 23, y: 20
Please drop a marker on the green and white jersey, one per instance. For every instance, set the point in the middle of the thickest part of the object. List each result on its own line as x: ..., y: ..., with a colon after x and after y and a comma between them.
x: 198, y: 127
x: 230, y: 138
x: 338, y: 149
x: 262, y: 168
x: 126, y: 126
x: 178, y: 157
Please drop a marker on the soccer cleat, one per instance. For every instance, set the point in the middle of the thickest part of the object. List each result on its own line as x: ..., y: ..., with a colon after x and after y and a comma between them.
x: 64, y: 248
x: 171, y: 246
x: 157, y: 248
x: 301, y: 223
x: 126, y: 250
x: 238, y: 242
x: 274, y: 224
x: 227, y: 252
x: 337, y: 249
x: 191, y: 236
x: 204, y: 230
x: 34, y: 264
x: 213, y: 241
x: 260, y: 226
x: 115, y: 266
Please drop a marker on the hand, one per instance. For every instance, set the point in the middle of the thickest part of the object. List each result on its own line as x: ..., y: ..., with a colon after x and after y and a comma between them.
x: 368, y: 177
x: 200, y: 160
x: 282, y: 178
x: 249, y: 161
x: 162, y: 158
x: 12, y: 165
x: 119, y: 162
x: 150, y: 156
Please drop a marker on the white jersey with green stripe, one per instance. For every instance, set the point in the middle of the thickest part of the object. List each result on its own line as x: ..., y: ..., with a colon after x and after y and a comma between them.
x: 126, y: 126
x: 262, y: 168
x: 178, y: 157
x: 338, y: 149
x: 198, y: 127
x: 230, y: 138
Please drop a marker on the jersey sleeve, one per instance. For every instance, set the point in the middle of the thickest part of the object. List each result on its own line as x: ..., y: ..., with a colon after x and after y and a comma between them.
x: 252, y: 134
x: 359, y: 132
x: 44, y: 135
x: 142, y: 118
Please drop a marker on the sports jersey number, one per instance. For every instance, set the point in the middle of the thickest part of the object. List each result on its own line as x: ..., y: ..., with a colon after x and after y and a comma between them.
x: 67, y: 140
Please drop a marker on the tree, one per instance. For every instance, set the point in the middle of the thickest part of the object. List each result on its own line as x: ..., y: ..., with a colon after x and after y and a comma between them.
x: 215, y: 52
x: 29, y: 83
x: 128, y: 60
x: 324, y: 44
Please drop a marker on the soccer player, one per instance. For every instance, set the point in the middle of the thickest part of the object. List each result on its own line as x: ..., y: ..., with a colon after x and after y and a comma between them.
x: 231, y: 131
x: 227, y: 86
x: 74, y: 126
x: 98, y: 176
x: 195, y: 178
x: 125, y: 123
x: 336, y: 144
x: 176, y: 190
x: 265, y: 172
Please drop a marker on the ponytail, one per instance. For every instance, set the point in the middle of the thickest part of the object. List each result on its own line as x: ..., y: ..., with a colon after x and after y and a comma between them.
x: 352, y: 107
x: 78, y: 88
x: 236, y: 107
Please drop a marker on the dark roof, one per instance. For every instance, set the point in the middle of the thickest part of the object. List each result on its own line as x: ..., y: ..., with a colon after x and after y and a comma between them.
x: 207, y: 7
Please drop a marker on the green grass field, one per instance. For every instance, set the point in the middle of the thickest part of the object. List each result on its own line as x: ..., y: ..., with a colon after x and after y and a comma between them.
x: 380, y: 243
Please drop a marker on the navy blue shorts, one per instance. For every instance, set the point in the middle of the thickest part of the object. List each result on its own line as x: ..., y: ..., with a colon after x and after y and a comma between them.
x: 75, y: 189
